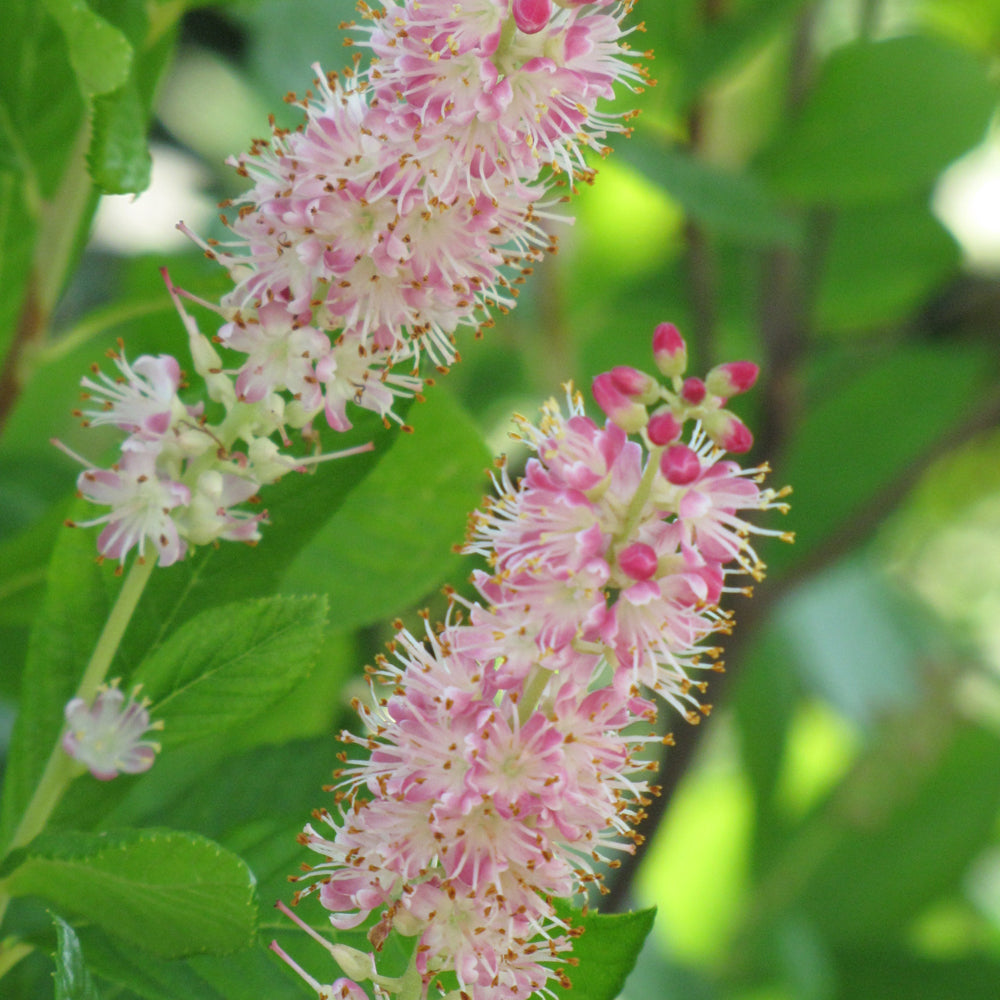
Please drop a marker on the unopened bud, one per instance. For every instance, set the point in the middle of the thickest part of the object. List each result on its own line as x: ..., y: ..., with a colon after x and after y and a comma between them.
x: 731, y: 378
x: 663, y: 428
x: 693, y: 391
x: 728, y: 431
x: 638, y: 561
x: 634, y: 383
x: 669, y: 350
x: 532, y: 15
x: 628, y: 414
x: 680, y: 465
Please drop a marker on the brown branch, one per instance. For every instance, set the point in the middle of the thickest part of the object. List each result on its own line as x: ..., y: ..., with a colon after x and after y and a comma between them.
x: 30, y: 330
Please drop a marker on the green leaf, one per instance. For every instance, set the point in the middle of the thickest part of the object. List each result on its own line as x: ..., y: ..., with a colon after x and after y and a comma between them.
x: 730, y: 204
x: 298, y: 506
x: 881, y: 971
x: 100, y: 54
x: 905, y: 827
x: 606, y: 952
x: 867, y: 428
x: 118, y: 157
x: 882, y: 261
x: 73, y: 980
x: 227, y: 665
x: 392, y: 540
x: 65, y: 632
x: 729, y: 42
x: 895, y: 835
x: 251, y: 974
x: 883, y: 119
x: 173, y: 894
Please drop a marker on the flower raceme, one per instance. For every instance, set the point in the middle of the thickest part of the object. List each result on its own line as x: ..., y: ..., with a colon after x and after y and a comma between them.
x: 180, y: 479
x: 413, y: 199
x: 502, y: 753
x: 416, y: 194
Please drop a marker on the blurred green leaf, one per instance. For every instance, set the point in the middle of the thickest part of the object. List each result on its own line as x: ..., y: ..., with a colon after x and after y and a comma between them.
x: 865, y: 428
x: 728, y: 42
x: 73, y: 981
x: 100, y: 54
x: 69, y: 622
x: 884, y: 971
x: 852, y: 642
x: 897, y: 833
x: 730, y: 204
x: 172, y: 894
x: 393, y: 538
x: 882, y: 262
x: 883, y: 119
x: 230, y: 664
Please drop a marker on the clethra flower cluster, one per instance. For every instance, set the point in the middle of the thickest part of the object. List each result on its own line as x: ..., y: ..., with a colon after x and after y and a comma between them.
x: 181, y: 480
x: 106, y: 736
x: 504, y: 746
x: 413, y: 198
x: 411, y: 201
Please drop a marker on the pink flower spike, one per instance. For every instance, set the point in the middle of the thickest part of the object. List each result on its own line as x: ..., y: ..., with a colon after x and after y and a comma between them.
x: 669, y: 350
x: 680, y: 465
x: 693, y: 391
x: 728, y: 432
x: 634, y: 383
x: 731, y: 378
x: 626, y: 413
x: 638, y: 560
x: 106, y: 736
x: 663, y: 428
x: 532, y: 15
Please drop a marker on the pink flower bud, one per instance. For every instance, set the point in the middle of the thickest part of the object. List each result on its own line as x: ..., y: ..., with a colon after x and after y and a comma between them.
x: 638, y: 560
x: 634, y: 383
x: 693, y: 391
x: 669, y: 350
x: 728, y: 431
x: 626, y: 413
x: 532, y: 15
x: 731, y: 378
x: 663, y: 427
x: 680, y: 465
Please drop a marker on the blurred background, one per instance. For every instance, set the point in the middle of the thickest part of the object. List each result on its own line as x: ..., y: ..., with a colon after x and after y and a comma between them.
x: 814, y: 186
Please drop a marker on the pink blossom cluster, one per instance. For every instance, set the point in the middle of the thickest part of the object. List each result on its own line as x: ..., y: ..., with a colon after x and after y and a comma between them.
x: 411, y: 201
x: 414, y: 197
x: 180, y: 480
x: 504, y: 746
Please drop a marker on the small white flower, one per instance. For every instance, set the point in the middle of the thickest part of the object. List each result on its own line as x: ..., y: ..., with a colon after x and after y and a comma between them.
x: 106, y: 736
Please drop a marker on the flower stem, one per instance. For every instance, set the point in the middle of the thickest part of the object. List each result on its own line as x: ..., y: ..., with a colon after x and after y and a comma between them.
x: 638, y: 502
x: 60, y: 769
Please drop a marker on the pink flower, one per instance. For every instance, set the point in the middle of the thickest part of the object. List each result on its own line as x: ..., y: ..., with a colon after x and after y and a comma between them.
x: 141, y: 400
x: 107, y: 735
x: 141, y: 499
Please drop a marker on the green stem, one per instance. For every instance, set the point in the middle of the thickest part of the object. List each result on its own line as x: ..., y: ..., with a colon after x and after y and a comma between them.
x: 638, y: 502
x: 60, y: 769
x: 533, y: 689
